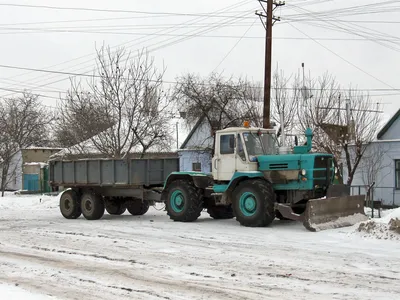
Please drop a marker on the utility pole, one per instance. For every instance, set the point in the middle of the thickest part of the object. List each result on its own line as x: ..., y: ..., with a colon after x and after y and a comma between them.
x: 270, y: 21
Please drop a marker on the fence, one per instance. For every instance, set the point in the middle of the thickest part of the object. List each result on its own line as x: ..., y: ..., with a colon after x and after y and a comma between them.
x: 388, y: 196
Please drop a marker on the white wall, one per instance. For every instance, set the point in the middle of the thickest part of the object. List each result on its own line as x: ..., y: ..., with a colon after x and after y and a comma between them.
x: 378, y: 164
x: 14, y: 177
x: 201, y: 138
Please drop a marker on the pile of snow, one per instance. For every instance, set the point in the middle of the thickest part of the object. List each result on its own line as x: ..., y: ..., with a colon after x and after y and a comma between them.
x: 340, y: 222
x: 387, y: 227
x: 30, y: 202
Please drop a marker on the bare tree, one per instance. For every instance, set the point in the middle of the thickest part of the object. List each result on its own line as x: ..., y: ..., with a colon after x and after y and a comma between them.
x: 324, y: 112
x: 80, y: 117
x: 24, y: 122
x: 285, y: 98
x: 125, y: 108
x: 373, y: 163
x: 221, y: 102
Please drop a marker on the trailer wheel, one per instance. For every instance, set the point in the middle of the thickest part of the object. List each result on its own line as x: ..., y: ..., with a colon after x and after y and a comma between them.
x: 253, y: 203
x: 114, y: 207
x: 138, y: 207
x: 69, y: 205
x: 220, y: 212
x: 92, y: 206
x: 184, y: 202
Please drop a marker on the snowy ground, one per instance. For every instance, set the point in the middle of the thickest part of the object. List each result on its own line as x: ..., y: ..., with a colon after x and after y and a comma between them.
x: 46, y: 257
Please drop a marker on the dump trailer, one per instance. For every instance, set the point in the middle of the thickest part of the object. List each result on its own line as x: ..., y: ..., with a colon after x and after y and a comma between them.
x: 115, y: 185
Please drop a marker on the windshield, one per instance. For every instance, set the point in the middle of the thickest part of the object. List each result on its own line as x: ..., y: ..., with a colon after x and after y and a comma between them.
x: 259, y: 143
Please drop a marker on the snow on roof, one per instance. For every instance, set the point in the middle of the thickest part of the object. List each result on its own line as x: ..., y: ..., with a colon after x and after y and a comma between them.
x: 41, y: 164
x: 42, y: 148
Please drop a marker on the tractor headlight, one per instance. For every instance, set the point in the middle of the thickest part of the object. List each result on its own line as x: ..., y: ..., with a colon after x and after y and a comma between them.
x: 303, y: 172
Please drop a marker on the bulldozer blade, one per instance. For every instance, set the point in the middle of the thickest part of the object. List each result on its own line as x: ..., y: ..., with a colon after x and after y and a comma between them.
x: 334, y: 212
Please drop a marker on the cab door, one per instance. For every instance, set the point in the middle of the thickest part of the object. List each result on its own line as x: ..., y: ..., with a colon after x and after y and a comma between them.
x: 224, y: 160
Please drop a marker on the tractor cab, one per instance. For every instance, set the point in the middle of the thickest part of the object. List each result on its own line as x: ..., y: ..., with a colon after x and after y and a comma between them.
x: 237, y: 148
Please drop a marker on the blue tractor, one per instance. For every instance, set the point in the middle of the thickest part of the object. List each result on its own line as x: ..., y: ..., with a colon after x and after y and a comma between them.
x: 256, y: 181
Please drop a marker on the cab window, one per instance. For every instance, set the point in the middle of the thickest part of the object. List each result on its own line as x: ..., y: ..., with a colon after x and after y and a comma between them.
x: 227, y: 144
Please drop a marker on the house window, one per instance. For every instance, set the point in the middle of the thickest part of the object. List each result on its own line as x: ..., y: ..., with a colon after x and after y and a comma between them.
x: 196, y: 167
x: 227, y: 143
x: 397, y: 173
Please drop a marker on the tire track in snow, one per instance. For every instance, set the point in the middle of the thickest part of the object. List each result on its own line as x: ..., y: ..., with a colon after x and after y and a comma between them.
x: 194, y: 289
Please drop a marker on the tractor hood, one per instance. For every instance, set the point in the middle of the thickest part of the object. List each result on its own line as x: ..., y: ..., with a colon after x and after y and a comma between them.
x: 279, y: 162
x: 283, y: 168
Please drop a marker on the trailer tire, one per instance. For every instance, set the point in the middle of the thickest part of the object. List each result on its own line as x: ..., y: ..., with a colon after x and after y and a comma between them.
x: 69, y: 205
x: 184, y: 202
x: 114, y: 207
x: 253, y: 203
x: 220, y: 212
x: 92, y: 206
x: 138, y: 207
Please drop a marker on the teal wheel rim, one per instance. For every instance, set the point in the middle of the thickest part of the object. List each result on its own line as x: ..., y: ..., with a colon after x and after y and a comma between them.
x: 248, y: 204
x: 177, y: 201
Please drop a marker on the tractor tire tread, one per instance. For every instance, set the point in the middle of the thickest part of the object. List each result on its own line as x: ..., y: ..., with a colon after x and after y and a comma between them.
x: 267, y: 193
x: 193, y: 212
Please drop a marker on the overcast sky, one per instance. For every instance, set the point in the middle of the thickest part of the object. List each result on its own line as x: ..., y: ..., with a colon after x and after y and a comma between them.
x: 355, y: 45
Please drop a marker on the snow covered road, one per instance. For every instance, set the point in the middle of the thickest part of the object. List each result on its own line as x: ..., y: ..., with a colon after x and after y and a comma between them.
x: 151, y: 257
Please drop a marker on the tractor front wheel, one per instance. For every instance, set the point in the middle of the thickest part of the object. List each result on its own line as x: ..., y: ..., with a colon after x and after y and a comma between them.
x: 253, y: 203
x: 184, y: 201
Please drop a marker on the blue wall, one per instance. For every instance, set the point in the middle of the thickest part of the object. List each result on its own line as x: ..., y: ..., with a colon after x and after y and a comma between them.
x: 188, y: 157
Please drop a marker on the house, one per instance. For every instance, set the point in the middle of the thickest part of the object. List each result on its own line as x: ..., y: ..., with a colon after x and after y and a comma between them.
x: 27, y: 170
x: 195, y: 153
x: 380, y: 164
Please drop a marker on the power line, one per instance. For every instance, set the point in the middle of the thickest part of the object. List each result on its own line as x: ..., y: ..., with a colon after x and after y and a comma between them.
x: 342, y: 58
x: 118, y: 11
x: 174, y: 82
x: 234, y: 46
x: 196, y: 20
x: 225, y: 36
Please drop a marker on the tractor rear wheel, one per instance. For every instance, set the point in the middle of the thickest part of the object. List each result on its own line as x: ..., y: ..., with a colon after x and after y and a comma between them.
x: 92, y: 206
x: 114, y: 207
x: 253, y: 203
x: 138, y: 207
x: 69, y: 205
x: 220, y: 212
x: 184, y: 201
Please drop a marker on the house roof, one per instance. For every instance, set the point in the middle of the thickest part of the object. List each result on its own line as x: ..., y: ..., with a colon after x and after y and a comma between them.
x: 88, y: 148
x: 388, y: 124
x: 195, y: 127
